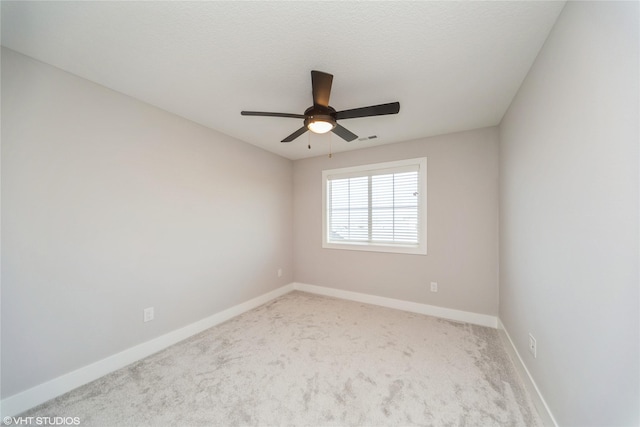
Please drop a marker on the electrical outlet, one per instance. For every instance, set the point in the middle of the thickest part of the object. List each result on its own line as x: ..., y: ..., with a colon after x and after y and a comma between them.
x: 279, y: 272
x: 434, y: 286
x: 533, y: 346
x: 148, y: 314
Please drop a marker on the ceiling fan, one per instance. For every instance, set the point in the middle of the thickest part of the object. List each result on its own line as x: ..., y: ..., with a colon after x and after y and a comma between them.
x: 321, y: 118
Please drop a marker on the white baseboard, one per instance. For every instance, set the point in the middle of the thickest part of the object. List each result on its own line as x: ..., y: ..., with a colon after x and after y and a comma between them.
x: 41, y: 393
x: 530, y: 384
x: 414, y: 307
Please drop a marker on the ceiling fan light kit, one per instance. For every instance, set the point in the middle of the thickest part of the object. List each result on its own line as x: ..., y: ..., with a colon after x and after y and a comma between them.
x: 320, y: 124
x: 321, y: 118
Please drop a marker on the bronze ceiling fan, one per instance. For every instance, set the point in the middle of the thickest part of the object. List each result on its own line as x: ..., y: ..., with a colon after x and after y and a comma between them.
x: 321, y: 117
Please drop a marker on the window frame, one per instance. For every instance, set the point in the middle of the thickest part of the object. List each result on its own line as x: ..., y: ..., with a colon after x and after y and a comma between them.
x: 420, y: 248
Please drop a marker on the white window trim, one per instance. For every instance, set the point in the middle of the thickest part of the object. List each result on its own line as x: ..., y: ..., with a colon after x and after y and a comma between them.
x: 421, y: 248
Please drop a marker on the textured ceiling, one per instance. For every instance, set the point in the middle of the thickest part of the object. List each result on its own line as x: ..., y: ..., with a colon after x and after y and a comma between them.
x: 452, y: 65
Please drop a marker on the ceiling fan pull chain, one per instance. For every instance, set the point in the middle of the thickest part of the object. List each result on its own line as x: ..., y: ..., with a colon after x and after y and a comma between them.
x: 330, y: 141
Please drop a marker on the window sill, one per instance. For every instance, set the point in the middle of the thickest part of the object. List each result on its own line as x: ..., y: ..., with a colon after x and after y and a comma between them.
x: 369, y: 247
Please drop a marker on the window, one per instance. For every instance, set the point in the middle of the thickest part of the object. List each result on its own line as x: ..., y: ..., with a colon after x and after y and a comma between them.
x: 379, y: 207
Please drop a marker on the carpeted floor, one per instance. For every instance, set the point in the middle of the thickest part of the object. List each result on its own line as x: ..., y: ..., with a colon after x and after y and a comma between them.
x: 310, y: 360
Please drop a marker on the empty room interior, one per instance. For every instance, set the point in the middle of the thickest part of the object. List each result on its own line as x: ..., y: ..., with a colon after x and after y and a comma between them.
x: 320, y: 213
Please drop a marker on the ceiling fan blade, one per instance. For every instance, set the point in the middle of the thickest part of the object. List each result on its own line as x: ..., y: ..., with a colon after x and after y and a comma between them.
x: 374, y: 110
x: 344, y: 133
x: 296, y: 134
x: 262, y: 113
x: 321, y: 85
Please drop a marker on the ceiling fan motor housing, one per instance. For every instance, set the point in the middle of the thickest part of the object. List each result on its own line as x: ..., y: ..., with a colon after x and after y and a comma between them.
x: 318, y: 113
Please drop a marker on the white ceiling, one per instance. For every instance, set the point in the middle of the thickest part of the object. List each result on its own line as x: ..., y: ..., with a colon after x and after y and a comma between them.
x: 452, y: 66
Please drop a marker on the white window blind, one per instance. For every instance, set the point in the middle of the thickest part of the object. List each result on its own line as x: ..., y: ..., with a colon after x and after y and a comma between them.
x: 379, y: 205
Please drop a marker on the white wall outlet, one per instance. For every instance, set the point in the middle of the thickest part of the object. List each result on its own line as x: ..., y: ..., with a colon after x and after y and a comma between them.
x: 279, y: 272
x: 434, y: 286
x: 148, y: 314
x: 533, y: 346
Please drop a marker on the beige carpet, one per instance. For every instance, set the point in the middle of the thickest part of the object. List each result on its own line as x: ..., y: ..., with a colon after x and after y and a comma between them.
x: 304, y: 359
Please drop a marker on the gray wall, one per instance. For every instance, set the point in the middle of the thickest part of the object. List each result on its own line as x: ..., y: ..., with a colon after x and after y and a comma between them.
x: 462, y: 239
x: 109, y: 206
x: 569, y: 216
